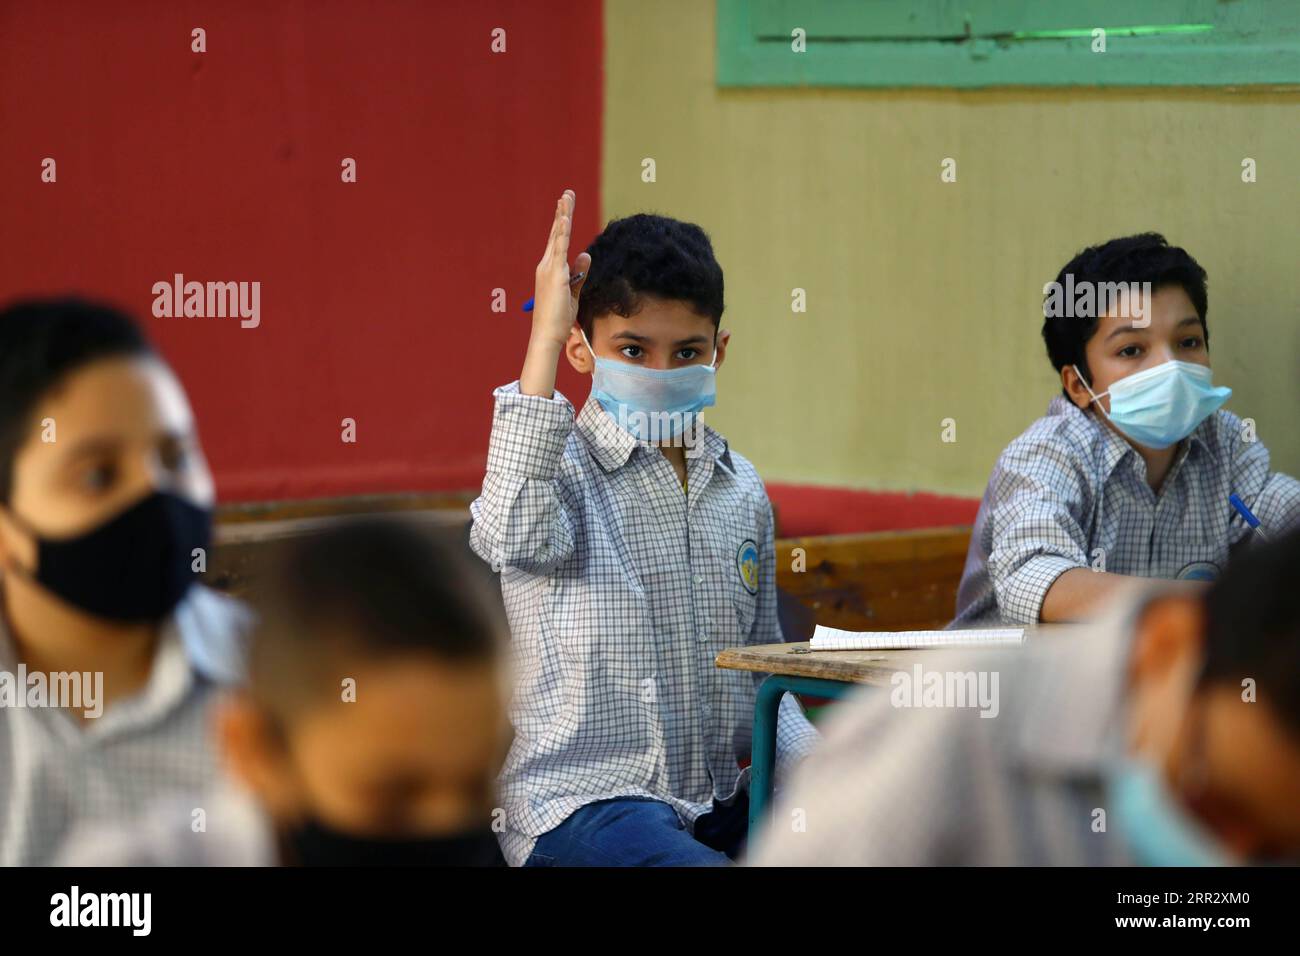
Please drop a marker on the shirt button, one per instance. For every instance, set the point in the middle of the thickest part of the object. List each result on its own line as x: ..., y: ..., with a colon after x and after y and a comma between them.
x: 648, y: 690
x: 699, y: 579
x: 702, y: 636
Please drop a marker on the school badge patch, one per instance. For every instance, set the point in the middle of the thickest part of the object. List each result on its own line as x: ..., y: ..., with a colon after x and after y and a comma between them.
x: 1199, y: 571
x: 747, y: 565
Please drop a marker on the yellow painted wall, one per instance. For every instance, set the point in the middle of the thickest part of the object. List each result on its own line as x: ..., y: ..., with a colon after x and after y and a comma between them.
x: 925, y: 298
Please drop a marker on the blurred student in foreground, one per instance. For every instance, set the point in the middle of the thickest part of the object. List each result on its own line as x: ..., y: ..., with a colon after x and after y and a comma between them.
x: 1168, y: 734
x: 373, y: 725
x: 110, y: 652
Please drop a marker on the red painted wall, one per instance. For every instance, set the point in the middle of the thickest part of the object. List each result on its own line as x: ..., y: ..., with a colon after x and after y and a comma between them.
x: 225, y: 166
x: 812, y: 510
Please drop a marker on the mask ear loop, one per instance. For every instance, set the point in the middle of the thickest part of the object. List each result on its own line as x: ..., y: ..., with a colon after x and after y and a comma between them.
x: 1095, y: 398
x: 586, y: 343
x: 23, y: 525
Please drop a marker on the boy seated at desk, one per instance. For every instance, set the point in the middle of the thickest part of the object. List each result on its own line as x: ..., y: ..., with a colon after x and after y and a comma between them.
x: 1129, y: 474
x: 1166, y: 734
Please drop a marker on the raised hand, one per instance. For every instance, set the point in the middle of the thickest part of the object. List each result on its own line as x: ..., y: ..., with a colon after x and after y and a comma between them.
x: 555, y: 302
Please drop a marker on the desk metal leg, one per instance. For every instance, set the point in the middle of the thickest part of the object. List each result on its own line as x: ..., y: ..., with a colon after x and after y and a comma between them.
x: 763, y: 754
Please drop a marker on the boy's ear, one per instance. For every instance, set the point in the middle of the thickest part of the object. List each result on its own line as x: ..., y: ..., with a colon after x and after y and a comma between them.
x: 1165, y: 660
x: 575, y: 350
x: 724, y: 336
x: 254, y: 755
x: 1074, y: 387
x: 1170, y: 634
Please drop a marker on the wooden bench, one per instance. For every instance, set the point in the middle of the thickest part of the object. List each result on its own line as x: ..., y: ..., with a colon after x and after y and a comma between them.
x: 888, y: 580
x: 243, y: 531
x: 878, y: 581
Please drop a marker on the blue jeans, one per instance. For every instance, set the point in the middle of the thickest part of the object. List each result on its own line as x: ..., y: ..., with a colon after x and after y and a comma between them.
x: 637, y: 831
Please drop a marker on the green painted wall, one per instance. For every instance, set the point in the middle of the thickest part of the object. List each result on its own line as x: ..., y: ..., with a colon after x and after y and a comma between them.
x: 924, y: 297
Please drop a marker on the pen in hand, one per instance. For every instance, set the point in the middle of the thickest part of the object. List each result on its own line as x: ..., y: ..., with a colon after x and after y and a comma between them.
x: 573, y: 280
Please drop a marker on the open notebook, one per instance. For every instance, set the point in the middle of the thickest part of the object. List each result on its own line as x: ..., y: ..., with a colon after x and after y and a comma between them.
x: 833, y: 639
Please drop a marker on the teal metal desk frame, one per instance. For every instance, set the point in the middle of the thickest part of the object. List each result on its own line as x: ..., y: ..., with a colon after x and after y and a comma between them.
x: 763, y: 754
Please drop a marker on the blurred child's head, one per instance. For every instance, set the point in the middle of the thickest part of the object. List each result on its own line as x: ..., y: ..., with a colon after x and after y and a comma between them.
x: 653, y: 296
x: 374, y: 716
x: 1114, y: 339
x: 104, y: 490
x: 1214, y: 700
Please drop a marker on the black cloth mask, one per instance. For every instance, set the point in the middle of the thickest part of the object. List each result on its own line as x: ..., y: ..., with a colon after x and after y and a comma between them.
x: 135, y: 567
x: 313, y: 843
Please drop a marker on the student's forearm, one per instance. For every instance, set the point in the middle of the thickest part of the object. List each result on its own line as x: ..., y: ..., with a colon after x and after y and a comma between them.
x: 1079, y: 591
x: 538, y: 375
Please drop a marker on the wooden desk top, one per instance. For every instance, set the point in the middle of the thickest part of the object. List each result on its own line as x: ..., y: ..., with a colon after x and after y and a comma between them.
x: 855, y: 667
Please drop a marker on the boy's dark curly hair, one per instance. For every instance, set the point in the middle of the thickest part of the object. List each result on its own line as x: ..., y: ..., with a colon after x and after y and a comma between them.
x: 649, y: 255
x: 1146, y: 257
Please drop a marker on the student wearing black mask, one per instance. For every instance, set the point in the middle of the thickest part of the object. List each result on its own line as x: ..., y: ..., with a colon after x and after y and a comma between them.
x: 373, y: 725
x: 110, y: 651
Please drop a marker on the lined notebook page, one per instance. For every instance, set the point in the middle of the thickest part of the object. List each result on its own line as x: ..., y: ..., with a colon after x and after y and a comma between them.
x: 833, y: 639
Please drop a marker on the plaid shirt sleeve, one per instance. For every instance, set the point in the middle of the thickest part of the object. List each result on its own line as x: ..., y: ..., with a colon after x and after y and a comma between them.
x: 1273, y: 497
x: 1037, y: 508
x: 519, y: 519
x: 795, y: 735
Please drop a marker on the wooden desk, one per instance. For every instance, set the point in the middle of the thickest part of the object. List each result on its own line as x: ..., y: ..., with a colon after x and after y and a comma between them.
x: 795, y: 669
x: 793, y: 659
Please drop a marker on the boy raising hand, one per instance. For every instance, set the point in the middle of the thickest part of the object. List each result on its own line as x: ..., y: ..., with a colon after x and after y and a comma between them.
x: 633, y: 546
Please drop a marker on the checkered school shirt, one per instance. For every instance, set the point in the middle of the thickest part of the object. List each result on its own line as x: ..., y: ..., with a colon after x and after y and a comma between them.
x: 58, y: 772
x: 1069, y: 491
x: 621, y: 588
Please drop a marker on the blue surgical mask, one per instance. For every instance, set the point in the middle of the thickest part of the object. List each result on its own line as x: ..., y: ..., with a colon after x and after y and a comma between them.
x: 654, y: 405
x: 1154, y: 826
x: 1160, y: 406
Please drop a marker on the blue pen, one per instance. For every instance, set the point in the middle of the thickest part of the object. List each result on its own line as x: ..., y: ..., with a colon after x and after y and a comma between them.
x: 1248, y: 515
x: 528, y: 306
